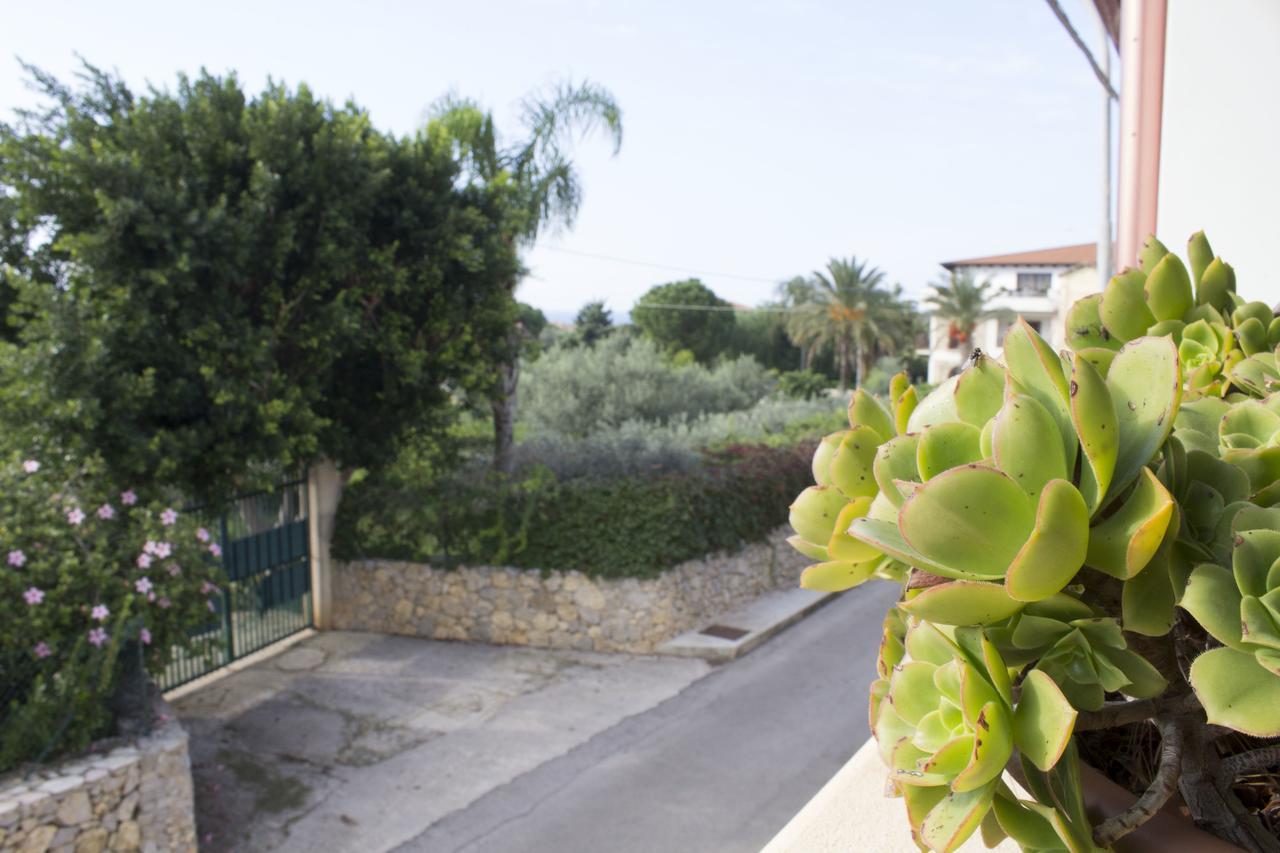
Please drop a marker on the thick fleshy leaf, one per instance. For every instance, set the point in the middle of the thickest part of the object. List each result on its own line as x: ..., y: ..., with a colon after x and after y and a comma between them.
x: 1144, y: 680
x: 1085, y: 328
x: 1261, y: 466
x: 1216, y: 284
x: 836, y: 575
x: 946, y: 446
x: 823, y: 455
x: 1024, y: 825
x: 956, y: 817
x: 938, y: 406
x: 1252, y: 335
x: 1200, y: 255
x: 980, y: 391
x: 809, y: 549
x: 1202, y: 415
x: 1038, y: 370
x: 866, y: 410
x: 1213, y: 598
x: 1094, y: 415
x: 1248, y: 424
x: 1148, y: 599
x: 1229, y: 481
x: 1258, y: 624
x: 963, y: 602
x: 1056, y: 548
x: 1043, y: 720
x: 814, y: 513
x: 920, y: 800
x: 1145, y: 384
x: 972, y: 519
x: 896, y: 460
x: 885, y: 537
x: 1100, y: 358
x: 1251, y: 561
x: 951, y: 758
x: 1125, y: 542
x: 911, y: 691
x: 1169, y: 289
x: 903, y: 407
x: 1151, y: 253
x: 1237, y: 692
x: 992, y: 748
x: 1259, y: 311
x: 1124, y: 308
x: 1022, y: 444
x: 850, y: 467
x: 844, y: 547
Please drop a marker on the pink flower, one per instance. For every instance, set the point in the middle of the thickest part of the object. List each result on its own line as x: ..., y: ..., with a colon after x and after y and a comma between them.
x: 163, y: 603
x: 128, y: 498
x: 207, y: 588
x: 150, y: 547
x: 145, y: 636
x: 106, y: 511
x: 202, y: 534
x: 212, y: 609
x: 42, y: 650
x: 169, y: 517
x: 75, y: 516
x: 163, y: 549
x: 17, y: 558
x: 174, y: 569
x: 98, y: 636
x: 31, y: 466
x: 33, y: 596
x: 215, y: 549
x: 100, y: 612
x: 144, y: 561
x: 151, y: 596
x: 142, y: 585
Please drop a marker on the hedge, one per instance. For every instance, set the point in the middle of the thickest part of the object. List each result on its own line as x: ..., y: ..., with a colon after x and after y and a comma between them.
x: 633, y: 526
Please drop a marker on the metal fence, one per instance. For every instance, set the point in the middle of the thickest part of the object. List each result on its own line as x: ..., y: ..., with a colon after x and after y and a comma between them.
x: 267, y: 597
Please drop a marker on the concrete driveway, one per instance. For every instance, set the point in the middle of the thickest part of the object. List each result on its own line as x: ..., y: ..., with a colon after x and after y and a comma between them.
x: 360, y: 742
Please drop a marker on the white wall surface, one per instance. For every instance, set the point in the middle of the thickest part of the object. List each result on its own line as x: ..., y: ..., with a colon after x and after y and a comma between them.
x: 1220, y: 136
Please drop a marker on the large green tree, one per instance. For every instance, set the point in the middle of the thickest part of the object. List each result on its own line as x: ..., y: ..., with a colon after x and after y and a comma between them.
x: 848, y: 307
x: 593, y: 323
x: 964, y: 301
x: 541, y: 183
x: 217, y: 286
x: 686, y: 315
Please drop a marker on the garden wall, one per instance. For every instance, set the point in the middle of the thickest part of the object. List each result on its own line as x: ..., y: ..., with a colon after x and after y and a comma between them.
x: 557, y: 609
x: 134, y: 797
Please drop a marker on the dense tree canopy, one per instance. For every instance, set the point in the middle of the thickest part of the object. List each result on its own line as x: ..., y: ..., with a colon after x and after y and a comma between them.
x: 686, y: 315
x: 593, y: 323
x: 227, y: 284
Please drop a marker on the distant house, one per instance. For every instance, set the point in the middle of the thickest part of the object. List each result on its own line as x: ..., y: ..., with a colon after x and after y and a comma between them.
x: 1039, y: 286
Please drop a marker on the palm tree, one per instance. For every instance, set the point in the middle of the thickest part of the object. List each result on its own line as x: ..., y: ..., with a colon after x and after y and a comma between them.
x: 847, y: 307
x: 963, y: 301
x: 541, y: 181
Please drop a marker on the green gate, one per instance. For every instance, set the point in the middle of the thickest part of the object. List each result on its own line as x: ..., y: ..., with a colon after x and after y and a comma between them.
x: 267, y: 561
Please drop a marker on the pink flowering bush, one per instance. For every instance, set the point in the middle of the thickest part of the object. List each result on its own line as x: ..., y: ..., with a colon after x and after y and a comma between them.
x: 89, y: 568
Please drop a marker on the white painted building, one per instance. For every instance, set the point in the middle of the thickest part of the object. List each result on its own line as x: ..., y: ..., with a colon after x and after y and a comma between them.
x: 1038, y: 286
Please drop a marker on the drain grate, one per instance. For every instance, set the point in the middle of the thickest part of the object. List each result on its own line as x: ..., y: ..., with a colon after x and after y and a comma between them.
x: 724, y: 632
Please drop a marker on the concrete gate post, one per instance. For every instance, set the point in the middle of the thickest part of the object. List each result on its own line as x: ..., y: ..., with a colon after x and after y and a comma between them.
x: 324, y: 491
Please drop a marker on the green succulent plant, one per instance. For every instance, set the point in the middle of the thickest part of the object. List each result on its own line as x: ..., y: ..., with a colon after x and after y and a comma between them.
x: 1051, y: 517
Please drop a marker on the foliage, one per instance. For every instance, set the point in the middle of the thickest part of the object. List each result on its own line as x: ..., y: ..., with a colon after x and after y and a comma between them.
x: 87, y: 565
x: 1067, y: 532
x: 847, y: 308
x: 963, y: 301
x: 634, y: 526
x: 575, y: 391
x: 224, y: 283
x: 686, y: 315
x: 593, y: 323
x: 762, y: 334
x: 803, y: 384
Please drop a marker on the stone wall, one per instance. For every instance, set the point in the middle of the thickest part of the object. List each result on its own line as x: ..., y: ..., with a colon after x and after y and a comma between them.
x: 558, y: 609
x: 137, y: 796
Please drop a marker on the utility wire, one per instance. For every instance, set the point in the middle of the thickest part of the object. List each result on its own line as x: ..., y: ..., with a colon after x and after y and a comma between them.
x: 636, y: 263
x: 667, y: 306
x: 1084, y: 48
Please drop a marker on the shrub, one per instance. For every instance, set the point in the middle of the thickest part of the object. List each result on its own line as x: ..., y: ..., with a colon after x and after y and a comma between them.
x: 630, y: 526
x: 574, y: 391
x: 87, y: 567
x: 803, y: 384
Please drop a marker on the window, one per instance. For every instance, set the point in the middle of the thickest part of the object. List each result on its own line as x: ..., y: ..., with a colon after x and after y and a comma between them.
x: 1033, y: 283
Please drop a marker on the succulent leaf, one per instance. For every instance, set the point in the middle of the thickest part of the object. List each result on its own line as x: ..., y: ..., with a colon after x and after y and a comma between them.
x: 1125, y: 542
x: 1018, y: 443
x: 946, y: 446
x: 1056, y: 548
x: 866, y: 410
x: 1145, y: 384
x: 1043, y: 720
x: 963, y: 602
x: 836, y: 575
x: 1084, y: 326
x: 1237, y: 692
x: 1124, y: 308
x: 850, y: 468
x: 814, y: 513
x: 1094, y: 416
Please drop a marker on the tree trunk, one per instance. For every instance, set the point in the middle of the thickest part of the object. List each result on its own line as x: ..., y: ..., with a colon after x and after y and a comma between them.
x: 504, y: 415
x: 842, y: 355
x: 857, y: 364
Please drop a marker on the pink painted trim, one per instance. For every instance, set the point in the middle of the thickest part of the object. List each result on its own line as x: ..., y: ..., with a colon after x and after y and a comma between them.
x: 1142, y: 31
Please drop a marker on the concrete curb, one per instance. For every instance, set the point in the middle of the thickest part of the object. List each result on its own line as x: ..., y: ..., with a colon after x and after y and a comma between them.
x: 735, y: 633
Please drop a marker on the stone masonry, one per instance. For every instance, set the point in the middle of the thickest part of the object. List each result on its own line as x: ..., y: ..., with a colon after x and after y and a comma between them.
x: 134, y: 797
x: 556, y: 609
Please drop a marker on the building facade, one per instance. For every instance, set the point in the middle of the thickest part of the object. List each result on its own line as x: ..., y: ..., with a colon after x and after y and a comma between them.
x: 1038, y: 286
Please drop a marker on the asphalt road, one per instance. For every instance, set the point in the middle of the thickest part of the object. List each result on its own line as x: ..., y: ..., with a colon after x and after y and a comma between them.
x: 721, y: 766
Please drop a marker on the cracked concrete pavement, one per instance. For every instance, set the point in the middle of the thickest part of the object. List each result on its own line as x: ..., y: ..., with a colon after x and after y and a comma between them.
x: 354, y: 741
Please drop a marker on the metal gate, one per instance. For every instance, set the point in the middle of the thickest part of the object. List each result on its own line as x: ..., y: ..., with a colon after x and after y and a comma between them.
x: 267, y: 561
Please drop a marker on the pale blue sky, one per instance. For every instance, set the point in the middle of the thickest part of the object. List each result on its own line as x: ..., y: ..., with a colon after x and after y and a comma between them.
x: 761, y: 138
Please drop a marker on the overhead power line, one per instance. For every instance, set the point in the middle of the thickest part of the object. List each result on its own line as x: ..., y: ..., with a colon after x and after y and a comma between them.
x: 668, y: 306
x: 652, y: 265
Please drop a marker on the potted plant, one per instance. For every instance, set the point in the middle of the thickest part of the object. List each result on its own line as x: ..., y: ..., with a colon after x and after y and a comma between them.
x: 1085, y: 540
